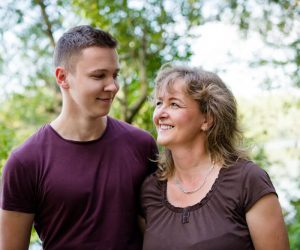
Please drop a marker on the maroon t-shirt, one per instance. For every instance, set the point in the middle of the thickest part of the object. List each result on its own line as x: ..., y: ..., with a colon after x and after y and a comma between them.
x: 84, y: 194
x: 217, y: 222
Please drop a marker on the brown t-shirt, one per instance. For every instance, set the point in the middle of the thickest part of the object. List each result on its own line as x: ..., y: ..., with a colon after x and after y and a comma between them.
x: 218, y: 222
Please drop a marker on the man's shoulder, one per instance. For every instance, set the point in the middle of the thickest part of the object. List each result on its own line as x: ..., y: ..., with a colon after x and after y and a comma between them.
x: 33, y: 142
x: 28, y: 153
x: 125, y: 128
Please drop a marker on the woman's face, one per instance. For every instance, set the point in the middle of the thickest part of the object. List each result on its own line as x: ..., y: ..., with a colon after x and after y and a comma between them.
x: 177, y: 117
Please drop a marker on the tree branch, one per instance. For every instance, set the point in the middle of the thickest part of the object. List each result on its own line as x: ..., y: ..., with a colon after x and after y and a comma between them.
x: 134, y: 109
x: 47, y: 21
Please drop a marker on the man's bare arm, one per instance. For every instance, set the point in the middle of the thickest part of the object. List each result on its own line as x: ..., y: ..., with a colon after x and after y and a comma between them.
x: 15, y: 230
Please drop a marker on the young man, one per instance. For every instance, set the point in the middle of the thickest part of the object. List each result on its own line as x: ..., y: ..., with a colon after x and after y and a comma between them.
x: 78, y: 178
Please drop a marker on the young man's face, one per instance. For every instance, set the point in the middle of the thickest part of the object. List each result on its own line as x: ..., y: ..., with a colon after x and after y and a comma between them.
x: 93, y: 82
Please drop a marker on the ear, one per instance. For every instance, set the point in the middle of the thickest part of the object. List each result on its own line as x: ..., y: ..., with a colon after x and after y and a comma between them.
x: 61, y: 77
x: 207, y: 123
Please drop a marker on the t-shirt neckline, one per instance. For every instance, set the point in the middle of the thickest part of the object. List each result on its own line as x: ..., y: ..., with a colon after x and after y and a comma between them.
x: 82, y: 142
x: 197, y: 205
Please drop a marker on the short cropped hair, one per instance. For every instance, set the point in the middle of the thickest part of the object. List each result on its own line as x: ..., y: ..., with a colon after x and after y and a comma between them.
x: 224, y: 138
x: 78, y: 38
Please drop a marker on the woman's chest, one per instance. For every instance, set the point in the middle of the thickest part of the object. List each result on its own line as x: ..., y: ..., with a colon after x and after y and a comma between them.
x: 210, y: 226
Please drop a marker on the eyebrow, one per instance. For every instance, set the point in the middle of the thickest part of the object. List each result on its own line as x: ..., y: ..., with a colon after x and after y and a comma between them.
x: 171, y: 99
x: 99, y: 71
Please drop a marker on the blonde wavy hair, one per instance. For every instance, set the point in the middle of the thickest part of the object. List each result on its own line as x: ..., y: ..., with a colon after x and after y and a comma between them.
x: 224, y: 138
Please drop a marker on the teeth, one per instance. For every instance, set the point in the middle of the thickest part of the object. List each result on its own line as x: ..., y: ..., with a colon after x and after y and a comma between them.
x: 165, y: 127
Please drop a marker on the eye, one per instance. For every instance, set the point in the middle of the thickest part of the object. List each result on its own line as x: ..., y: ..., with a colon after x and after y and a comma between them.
x: 174, y: 105
x: 115, y: 76
x: 98, y: 77
x: 158, y: 103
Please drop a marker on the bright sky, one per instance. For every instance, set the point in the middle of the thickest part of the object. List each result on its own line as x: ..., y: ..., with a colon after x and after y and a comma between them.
x: 220, y: 48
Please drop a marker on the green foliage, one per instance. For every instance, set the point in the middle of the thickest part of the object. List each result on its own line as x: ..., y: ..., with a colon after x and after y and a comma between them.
x: 260, y: 157
x: 270, y: 117
x: 278, y: 24
x: 34, y: 239
x: 33, y: 108
x: 294, y: 229
x: 28, y: 40
x: 21, y: 115
x: 7, y: 141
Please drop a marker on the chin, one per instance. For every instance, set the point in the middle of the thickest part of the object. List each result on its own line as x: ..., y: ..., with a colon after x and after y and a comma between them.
x: 103, y: 112
x: 99, y: 115
x: 162, y: 142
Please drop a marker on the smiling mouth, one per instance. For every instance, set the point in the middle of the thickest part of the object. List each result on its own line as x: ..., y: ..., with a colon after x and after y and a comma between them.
x: 165, y: 127
x: 104, y: 99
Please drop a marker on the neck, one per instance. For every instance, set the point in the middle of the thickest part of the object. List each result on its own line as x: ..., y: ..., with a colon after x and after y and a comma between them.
x: 189, y: 163
x: 76, y: 129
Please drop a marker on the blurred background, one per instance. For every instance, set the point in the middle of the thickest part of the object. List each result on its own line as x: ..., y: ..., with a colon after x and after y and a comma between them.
x: 253, y: 45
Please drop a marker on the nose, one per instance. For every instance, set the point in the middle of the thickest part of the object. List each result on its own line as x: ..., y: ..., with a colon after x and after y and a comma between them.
x: 160, y: 113
x: 112, y: 86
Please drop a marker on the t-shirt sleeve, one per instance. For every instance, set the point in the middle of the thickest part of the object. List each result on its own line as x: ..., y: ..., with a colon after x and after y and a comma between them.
x: 151, y: 168
x: 256, y: 184
x: 146, y: 193
x: 17, y: 187
x: 153, y: 156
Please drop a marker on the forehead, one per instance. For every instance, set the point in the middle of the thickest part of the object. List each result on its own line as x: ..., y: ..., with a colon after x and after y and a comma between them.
x: 95, y: 58
x: 171, y: 87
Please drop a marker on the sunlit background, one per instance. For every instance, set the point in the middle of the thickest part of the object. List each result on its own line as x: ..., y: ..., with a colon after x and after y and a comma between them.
x: 254, y: 46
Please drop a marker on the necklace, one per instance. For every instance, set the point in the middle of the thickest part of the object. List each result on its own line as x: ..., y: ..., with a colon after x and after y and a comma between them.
x: 183, y: 190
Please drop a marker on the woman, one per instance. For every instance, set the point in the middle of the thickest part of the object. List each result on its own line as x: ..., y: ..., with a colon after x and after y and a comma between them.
x: 206, y: 194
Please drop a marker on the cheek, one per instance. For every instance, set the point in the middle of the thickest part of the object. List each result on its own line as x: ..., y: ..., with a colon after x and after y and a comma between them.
x: 155, y: 117
x: 117, y: 85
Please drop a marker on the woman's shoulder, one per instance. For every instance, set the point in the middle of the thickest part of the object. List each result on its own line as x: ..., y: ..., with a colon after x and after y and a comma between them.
x: 249, y: 169
x: 255, y: 182
x: 245, y: 167
x: 152, y: 188
x: 151, y: 182
x: 247, y: 175
x: 151, y: 193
